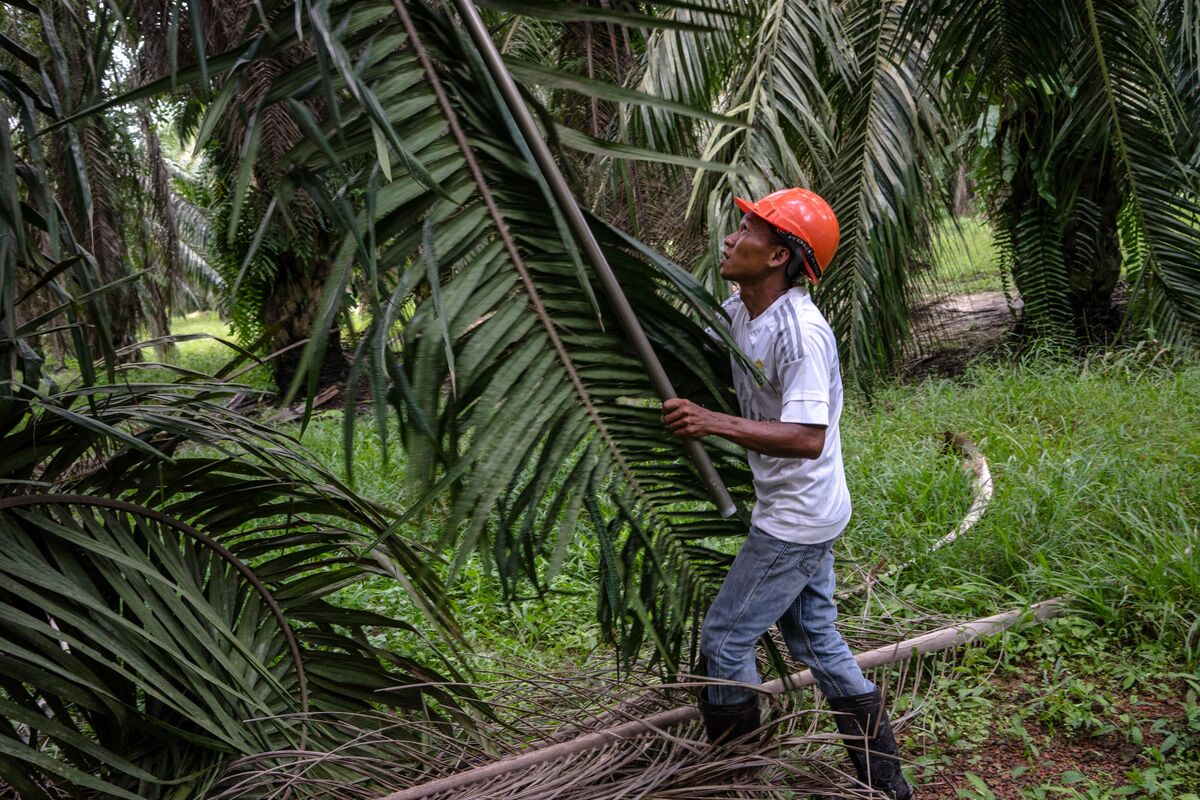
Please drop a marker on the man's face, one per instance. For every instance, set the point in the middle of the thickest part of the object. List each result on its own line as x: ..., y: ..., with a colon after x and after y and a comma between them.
x: 747, y: 254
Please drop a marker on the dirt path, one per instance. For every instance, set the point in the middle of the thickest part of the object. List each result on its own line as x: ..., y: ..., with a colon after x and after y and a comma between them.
x: 950, y: 331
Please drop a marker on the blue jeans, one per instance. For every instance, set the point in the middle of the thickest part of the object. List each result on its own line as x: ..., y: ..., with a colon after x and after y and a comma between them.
x: 791, y: 584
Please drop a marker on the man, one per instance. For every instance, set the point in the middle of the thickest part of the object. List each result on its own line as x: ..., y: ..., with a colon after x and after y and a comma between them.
x: 783, y: 573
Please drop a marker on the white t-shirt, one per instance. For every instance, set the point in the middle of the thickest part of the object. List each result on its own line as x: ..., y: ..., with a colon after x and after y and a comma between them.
x: 799, y: 499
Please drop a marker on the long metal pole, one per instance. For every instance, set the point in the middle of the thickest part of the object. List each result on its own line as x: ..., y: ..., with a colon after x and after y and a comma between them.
x: 608, y: 281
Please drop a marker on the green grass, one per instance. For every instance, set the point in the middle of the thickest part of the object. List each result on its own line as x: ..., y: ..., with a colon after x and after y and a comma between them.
x: 205, y: 356
x: 964, y: 258
x: 1095, y: 469
x: 200, y: 322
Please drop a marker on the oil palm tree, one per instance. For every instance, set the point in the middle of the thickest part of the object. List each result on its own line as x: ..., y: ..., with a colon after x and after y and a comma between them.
x: 170, y: 567
x: 1086, y: 122
x: 273, y: 258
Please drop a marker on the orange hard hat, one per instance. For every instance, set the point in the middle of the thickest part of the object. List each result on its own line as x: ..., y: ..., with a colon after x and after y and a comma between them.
x: 805, y: 219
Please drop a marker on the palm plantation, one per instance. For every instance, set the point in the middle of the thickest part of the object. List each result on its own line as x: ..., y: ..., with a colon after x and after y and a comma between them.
x: 175, y: 564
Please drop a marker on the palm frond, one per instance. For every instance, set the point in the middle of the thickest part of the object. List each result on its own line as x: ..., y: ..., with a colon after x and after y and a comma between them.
x: 150, y: 645
x: 885, y: 186
x: 154, y: 625
x: 533, y: 436
x: 1145, y: 115
x: 993, y: 45
x: 522, y: 411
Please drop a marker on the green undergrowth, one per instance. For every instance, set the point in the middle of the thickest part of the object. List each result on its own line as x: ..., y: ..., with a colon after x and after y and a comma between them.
x: 1094, y: 465
x: 1095, y: 469
x: 1059, y: 710
x: 557, y: 631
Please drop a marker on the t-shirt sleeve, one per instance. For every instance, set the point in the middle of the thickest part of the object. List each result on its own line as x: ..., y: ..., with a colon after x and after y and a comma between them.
x: 804, y: 384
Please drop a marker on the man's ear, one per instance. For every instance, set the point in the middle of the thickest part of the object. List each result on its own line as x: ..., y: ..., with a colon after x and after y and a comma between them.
x: 780, y: 256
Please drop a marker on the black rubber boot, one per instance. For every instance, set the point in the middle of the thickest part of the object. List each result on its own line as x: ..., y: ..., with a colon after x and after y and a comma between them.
x: 873, y: 746
x: 725, y: 723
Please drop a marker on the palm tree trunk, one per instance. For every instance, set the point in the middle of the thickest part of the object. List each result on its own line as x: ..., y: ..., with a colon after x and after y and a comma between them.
x: 1092, y: 253
x: 962, y: 191
x: 157, y: 288
x: 88, y: 172
x: 292, y: 303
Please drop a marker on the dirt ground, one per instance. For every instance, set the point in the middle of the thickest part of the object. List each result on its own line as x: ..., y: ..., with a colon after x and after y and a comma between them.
x: 1012, y: 766
x: 950, y: 331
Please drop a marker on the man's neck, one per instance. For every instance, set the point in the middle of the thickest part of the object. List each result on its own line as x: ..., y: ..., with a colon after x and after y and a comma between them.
x: 758, y: 297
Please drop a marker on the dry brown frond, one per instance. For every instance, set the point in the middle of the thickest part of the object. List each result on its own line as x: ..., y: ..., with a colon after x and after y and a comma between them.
x: 386, y: 755
x: 598, y: 736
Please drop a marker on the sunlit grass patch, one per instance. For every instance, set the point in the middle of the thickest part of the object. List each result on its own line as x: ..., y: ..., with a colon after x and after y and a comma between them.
x: 202, y: 356
x: 964, y: 258
x: 208, y: 355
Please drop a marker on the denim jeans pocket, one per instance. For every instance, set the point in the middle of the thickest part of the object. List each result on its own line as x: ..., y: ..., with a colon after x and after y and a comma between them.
x: 810, y: 556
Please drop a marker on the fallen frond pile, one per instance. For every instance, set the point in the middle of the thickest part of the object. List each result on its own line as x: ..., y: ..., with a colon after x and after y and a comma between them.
x: 622, y: 740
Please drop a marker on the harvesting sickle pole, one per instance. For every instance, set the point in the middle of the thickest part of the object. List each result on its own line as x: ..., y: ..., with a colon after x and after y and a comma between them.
x: 583, y: 234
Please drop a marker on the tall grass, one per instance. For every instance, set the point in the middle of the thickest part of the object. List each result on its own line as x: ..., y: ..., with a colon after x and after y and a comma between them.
x: 1095, y: 468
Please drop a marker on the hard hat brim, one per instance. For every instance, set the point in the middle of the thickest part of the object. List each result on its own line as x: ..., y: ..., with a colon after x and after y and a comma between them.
x: 762, y: 213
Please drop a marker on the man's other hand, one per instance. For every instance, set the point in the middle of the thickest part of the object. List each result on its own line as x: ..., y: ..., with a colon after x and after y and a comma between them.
x: 685, y: 418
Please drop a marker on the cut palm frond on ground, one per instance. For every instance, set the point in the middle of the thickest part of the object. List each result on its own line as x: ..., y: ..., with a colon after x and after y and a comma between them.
x: 645, y: 742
